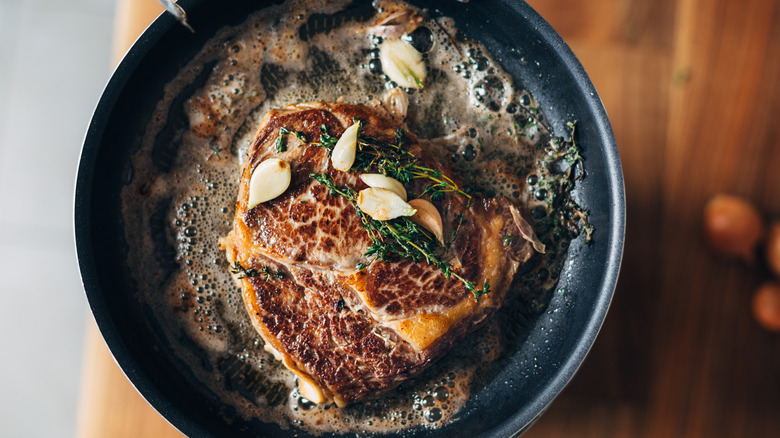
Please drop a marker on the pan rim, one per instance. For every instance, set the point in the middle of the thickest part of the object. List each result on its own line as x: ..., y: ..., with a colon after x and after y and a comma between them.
x: 531, y: 412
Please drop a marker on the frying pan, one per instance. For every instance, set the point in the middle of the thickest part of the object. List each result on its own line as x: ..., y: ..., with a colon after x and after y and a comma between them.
x: 555, y: 343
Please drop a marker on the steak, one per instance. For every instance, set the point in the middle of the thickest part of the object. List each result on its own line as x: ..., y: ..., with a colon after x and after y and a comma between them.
x: 351, y: 325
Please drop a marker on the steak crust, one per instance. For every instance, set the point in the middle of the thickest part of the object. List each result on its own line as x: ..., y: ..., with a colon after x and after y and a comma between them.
x: 351, y: 326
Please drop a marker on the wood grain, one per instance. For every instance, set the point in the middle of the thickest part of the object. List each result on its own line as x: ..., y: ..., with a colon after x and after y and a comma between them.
x: 692, y: 88
x: 110, y: 406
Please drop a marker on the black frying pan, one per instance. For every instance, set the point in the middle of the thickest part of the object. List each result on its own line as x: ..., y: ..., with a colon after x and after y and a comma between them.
x: 527, y: 47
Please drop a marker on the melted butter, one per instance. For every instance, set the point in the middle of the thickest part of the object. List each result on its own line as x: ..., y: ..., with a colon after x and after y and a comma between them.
x: 174, y: 217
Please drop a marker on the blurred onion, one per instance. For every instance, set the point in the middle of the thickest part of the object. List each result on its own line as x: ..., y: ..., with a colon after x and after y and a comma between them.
x: 766, y: 306
x: 733, y: 226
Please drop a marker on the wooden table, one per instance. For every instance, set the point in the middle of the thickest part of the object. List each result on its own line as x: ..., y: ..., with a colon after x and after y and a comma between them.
x: 692, y: 88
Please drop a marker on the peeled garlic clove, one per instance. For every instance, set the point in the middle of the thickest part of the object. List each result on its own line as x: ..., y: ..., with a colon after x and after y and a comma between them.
x: 310, y: 390
x: 733, y: 226
x: 343, y: 156
x: 396, y: 102
x: 379, y: 181
x: 402, y: 63
x: 269, y: 180
x: 428, y: 217
x: 383, y: 204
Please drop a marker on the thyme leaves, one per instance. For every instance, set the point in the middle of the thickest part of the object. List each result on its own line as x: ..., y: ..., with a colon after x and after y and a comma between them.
x: 508, y: 239
x: 564, y: 160
x: 393, y: 160
x: 279, y: 143
x: 400, y: 238
x: 265, y: 271
x: 280, y: 147
x: 326, y: 140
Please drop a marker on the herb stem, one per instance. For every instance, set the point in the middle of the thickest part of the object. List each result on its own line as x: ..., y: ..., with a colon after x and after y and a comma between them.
x: 400, y: 237
x: 445, y: 181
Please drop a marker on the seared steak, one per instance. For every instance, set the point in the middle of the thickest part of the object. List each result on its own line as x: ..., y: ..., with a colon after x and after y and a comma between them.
x: 350, y: 325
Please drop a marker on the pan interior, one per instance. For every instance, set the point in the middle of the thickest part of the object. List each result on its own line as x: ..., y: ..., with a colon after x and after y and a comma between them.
x: 555, y: 342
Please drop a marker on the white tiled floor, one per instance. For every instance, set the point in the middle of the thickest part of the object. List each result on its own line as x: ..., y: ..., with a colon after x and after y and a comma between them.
x: 54, y: 62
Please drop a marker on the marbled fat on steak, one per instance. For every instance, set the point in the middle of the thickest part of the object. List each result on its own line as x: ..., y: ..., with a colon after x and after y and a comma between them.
x: 348, y: 325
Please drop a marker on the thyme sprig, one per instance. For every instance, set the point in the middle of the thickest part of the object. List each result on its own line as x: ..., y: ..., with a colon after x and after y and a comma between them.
x: 393, y: 160
x: 572, y: 155
x: 400, y: 237
x: 326, y: 140
x: 280, y: 146
x: 564, y: 158
x: 242, y: 272
x: 460, y: 220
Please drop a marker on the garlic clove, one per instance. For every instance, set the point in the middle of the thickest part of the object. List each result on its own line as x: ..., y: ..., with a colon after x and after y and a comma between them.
x: 343, y: 156
x: 396, y: 102
x: 269, y: 180
x: 402, y: 63
x: 310, y: 390
x: 379, y: 181
x: 383, y: 204
x: 428, y: 217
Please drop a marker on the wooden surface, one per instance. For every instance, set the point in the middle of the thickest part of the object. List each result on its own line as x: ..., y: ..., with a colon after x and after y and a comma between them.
x: 692, y: 88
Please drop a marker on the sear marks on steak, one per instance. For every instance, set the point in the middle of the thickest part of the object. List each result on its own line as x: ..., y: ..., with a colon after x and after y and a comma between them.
x: 351, y: 326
